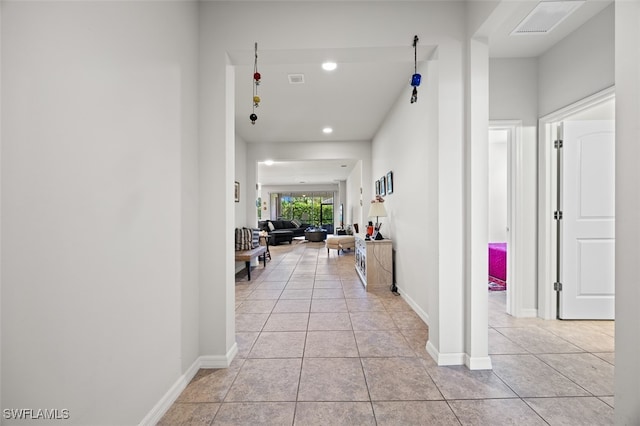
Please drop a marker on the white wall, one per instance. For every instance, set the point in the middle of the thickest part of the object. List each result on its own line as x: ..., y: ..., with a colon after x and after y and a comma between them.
x: 247, y: 191
x: 498, y: 185
x: 354, y: 204
x: 412, y: 214
x: 627, y: 76
x: 578, y: 66
x: 99, y: 206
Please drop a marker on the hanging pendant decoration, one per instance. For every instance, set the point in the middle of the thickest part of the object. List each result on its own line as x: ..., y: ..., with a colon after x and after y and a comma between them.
x: 256, y: 82
x: 415, y: 78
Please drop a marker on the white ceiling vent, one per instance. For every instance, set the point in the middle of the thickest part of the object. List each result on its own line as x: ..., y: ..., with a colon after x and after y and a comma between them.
x: 296, y: 78
x: 546, y: 16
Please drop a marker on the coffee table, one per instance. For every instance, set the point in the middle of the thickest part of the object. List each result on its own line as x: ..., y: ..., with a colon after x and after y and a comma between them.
x: 315, y: 236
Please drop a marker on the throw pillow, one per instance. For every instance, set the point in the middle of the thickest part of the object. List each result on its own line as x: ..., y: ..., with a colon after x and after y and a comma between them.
x: 255, y: 238
x: 247, y: 235
x: 271, y: 227
x: 296, y: 222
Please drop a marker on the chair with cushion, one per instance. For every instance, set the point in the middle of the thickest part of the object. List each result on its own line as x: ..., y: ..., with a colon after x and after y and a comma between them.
x: 340, y: 242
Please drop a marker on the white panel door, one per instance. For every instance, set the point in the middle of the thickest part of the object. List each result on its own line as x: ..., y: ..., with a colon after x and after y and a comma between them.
x: 588, y: 220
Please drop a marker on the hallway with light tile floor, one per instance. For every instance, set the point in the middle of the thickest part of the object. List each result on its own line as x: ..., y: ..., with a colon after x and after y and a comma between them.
x: 316, y: 349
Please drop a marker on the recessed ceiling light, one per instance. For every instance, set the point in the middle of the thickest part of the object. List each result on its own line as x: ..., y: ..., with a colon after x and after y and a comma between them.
x: 268, y: 163
x: 327, y: 130
x: 343, y: 165
x: 329, y: 66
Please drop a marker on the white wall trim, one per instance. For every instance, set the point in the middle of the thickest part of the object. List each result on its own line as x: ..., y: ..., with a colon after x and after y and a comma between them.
x: 445, y: 359
x: 478, y: 363
x: 205, y: 361
x: 547, y: 256
x: 417, y: 309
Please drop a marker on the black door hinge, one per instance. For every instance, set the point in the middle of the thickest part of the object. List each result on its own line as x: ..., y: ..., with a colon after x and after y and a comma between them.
x: 557, y: 144
x: 557, y: 215
x: 557, y: 286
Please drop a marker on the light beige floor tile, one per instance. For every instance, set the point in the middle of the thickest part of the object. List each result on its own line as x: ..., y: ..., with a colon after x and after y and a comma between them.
x: 334, y: 414
x: 585, y: 337
x: 496, y: 412
x: 398, y: 379
x: 587, y: 370
x: 300, y: 284
x: 211, y: 384
x: 328, y: 293
x: 245, y: 341
x: 610, y: 357
x: 300, y: 294
x: 609, y: 400
x: 264, y: 295
x: 330, y: 344
x: 189, y: 414
x: 279, y: 344
x: 271, y: 285
x: 382, y: 344
x: 458, y: 382
x: 329, y: 321
x: 417, y: 340
x: 537, y: 340
x: 414, y: 413
x: 292, y: 305
x: 266, y: 380
x: 407, y: 320
x: 256, y: 307
x: 355, y: 293
x: 364, y: 304
x: 573, y: 411
x: 528, y: 376
x: 332, y: 379
x: 372, y: 320
x: 250, y: 322
x: 255, y: 413
x: 501, y: 345
x: 328, y: 305
x: 287, y: 322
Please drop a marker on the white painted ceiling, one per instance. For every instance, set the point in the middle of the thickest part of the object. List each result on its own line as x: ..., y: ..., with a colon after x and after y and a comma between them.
x: 355, y: 98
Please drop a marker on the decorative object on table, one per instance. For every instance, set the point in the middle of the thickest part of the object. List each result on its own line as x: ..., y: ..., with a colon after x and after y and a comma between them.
x: 256, y: 82
x: 383, y: 185
x: 415, y: 78
x: 389, y: 183
x: 369, y: 229
x: 237, y: 192
x: 377, y: 209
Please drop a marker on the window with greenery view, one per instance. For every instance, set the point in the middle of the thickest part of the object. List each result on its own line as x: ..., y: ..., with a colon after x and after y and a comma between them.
x: 314, y: 208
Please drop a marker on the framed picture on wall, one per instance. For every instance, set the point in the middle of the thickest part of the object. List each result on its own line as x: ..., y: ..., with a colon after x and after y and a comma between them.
x: 377, y: 187
x: 390, y: 183
x: 237, y: 192
x: 383, y: 185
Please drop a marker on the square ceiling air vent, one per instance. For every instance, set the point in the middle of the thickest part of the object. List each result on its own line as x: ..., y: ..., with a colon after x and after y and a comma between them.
x: 546, y: 16
x: 296, y: 78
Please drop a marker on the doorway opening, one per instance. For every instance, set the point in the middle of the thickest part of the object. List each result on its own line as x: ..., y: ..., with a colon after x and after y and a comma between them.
x: 505, y: 183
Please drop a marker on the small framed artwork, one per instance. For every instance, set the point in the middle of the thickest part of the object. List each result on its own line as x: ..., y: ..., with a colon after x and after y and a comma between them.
x: 377, y: 187
x: 390, y: 183
x: 237, y: 192
x: 383, y: 185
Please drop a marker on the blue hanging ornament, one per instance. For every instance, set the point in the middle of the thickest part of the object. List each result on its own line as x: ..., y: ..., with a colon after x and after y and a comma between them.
x: 415, y: 78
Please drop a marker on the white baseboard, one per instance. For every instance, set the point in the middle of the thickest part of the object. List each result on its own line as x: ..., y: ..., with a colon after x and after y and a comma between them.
x: 528, y: 313
x: 445, y: 359
x: 417, y: 309
x: 205, y: 361
x: 478, y: 363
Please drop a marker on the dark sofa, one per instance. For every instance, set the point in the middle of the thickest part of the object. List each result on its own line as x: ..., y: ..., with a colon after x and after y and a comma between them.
x: 284, y: 230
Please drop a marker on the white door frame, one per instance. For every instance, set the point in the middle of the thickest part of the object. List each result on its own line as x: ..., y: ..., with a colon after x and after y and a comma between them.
x: 514, y: 212
x: 547, y: 193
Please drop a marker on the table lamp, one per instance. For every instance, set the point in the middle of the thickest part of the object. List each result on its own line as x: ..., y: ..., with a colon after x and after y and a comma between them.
x: 377, y: 209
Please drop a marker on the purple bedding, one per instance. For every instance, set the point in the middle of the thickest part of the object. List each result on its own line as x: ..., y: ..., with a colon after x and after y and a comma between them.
x: 498, y: 260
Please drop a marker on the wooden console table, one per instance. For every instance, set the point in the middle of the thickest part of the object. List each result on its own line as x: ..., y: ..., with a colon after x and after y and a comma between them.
x: 374, y: 262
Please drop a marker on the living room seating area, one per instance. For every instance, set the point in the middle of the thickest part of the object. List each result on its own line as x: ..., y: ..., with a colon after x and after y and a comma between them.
x: 281, y: 231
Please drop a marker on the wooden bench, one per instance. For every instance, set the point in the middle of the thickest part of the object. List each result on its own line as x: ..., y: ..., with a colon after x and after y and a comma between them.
x: 247, y: 255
